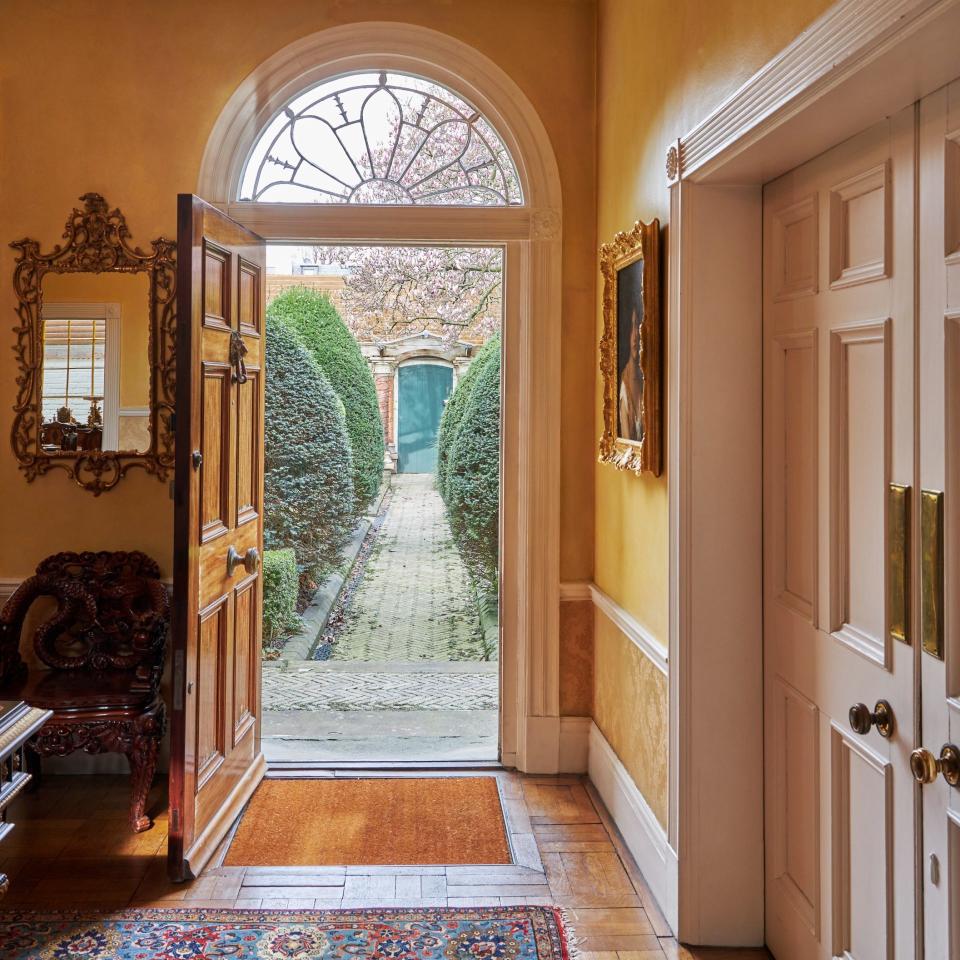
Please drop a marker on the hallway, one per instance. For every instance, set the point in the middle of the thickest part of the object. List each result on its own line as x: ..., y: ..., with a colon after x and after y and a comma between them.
x: 566, y: 851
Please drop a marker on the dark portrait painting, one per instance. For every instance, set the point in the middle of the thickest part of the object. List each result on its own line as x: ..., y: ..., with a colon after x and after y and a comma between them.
x: 629, y: 366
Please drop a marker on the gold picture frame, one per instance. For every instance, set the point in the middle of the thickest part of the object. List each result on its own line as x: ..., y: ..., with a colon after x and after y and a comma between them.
x: 630, y: 350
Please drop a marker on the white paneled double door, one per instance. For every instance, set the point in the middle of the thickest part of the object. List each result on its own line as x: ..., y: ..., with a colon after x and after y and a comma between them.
x: 861, y: 424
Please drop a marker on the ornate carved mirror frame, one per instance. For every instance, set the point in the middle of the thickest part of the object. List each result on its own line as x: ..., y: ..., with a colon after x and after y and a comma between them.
x: 97, y: 241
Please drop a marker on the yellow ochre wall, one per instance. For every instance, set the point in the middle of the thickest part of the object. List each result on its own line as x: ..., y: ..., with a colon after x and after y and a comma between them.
x: 662, y: 66
x: 120, y: 99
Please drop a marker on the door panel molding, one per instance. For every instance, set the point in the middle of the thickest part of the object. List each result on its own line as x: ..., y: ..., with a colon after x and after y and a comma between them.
x: 855, y: 915
x: 799, y: 893
x: 795, y: 546
x: 853, y: 552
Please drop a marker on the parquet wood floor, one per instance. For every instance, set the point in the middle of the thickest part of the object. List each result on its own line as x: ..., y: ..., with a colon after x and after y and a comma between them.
x: 72, y: 848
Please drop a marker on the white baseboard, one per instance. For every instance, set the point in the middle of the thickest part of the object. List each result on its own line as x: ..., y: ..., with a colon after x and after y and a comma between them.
x: 574, y: 744
x: 541, y: 748
x: 641, y: 830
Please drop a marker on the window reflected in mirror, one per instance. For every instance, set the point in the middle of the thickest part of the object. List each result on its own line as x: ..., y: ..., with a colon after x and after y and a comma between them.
x: 95, y: 392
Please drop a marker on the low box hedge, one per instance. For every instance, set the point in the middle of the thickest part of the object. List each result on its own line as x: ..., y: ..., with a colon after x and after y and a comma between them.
x: 280, y: 588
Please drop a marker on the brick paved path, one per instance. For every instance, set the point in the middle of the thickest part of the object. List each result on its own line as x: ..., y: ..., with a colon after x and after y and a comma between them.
x: 415, y: 601
x: 316, y: 686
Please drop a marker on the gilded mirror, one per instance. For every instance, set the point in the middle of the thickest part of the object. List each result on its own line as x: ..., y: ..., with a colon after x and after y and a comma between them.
x: 95, y: 350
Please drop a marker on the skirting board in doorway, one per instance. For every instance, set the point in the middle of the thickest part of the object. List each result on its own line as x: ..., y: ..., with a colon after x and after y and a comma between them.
x: 574, y: 744
x: 644, y: 836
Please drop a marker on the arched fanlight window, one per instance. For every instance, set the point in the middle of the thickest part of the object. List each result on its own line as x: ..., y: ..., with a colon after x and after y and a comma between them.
x: 380, y: 138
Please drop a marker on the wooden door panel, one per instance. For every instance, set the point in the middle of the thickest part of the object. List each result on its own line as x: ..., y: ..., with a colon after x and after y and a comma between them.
x: 216, y: 287
x: 939, y: 471
x: 214, y: 430
x: 863, y: 847
x: 245, y: 684
x: 249, y: 443
x: 795, y: 796
x: 216, y: 760
x: 860, y: 453
x: 209, y: 670
x: 860, y: 239
x: 795, y: 434
x: 838, y: 429
x: 249, y: 298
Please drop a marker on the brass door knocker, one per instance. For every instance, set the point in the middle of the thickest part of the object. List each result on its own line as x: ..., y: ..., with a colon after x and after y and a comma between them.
x: 238, y: 350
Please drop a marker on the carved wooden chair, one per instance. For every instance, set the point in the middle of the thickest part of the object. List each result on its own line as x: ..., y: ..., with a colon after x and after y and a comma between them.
x: 104, y: 646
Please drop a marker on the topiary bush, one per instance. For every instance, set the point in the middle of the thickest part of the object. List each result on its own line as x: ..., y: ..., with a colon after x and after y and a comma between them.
x: 454, y: 408
x: 281, y: 585
x: 308, y: 468
x: 326, y: 336
x: 473, y: 478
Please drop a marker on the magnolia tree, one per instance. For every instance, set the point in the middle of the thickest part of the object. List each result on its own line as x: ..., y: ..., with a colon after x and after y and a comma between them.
x: 399, y: 290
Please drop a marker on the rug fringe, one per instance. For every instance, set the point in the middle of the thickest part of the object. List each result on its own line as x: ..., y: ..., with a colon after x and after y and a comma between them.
x: 573, y: 942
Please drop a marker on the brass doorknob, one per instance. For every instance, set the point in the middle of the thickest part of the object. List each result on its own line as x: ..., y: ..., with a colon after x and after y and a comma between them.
x: 250, y: 560
x: 925, y: 766
x: 861, y: 719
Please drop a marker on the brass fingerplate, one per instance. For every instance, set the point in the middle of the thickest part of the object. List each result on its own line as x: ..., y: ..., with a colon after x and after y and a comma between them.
x: 898, y: 562
x: 931, y: 572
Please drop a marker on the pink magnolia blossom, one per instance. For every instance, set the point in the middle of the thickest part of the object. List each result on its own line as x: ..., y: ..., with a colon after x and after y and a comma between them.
x: 393, y: 291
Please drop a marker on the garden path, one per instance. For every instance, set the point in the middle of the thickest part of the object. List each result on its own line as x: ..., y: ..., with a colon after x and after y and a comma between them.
x: 407, y: 674
x: 414, y: 601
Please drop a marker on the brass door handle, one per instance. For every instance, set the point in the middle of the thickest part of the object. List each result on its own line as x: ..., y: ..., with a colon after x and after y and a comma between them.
x: 861, y: 719
x: 925, y: 766
x: 250, y: 560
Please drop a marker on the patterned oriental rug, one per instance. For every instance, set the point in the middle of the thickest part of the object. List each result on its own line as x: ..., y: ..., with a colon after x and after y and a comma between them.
x: 451, y: 933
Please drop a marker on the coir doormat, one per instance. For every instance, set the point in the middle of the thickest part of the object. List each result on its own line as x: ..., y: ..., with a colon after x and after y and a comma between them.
x: 441, y: 820
x: 444, y: 933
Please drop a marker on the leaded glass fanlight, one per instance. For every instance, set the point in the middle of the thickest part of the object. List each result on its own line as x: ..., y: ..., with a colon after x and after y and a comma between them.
x: 380, y: 138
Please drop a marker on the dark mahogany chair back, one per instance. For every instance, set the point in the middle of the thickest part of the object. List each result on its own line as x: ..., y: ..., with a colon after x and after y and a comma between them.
x: 112, y: 614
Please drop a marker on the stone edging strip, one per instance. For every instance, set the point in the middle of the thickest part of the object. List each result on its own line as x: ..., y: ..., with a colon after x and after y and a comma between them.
x: 315, y: 617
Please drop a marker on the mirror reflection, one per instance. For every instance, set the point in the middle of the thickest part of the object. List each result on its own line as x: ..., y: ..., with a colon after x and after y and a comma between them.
x: 95, y: 391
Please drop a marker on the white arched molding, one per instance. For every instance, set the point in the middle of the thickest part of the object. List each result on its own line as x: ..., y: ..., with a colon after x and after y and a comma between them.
x: 531, y: 237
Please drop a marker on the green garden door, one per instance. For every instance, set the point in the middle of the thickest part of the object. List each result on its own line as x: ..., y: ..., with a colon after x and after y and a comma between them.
x: 422, y: 391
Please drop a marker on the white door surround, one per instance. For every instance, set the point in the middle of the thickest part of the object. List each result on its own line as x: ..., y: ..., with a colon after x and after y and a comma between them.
x: 531, y: 237
x: 861, y: 61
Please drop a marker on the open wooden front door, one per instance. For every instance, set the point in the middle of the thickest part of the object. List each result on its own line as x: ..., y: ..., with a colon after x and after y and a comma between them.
x: 216, y: 761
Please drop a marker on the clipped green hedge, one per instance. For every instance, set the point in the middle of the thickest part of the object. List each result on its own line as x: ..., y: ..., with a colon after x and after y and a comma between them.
x: 308, y: 467
x: 454, y: 409
x: 473, y: 478
x: 327, y: 337
x: 281, y: 585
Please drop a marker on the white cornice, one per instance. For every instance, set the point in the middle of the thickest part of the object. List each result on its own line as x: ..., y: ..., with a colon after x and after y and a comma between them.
x: 843, y: 46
